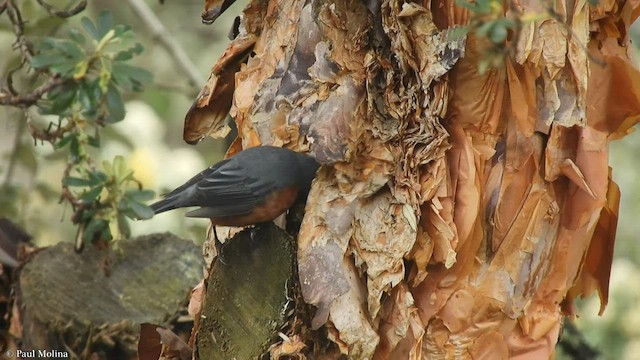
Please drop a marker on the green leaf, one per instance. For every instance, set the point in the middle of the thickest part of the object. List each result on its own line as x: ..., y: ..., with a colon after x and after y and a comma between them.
x: 89, y: 95
x: 43, y: 45
x: 74, y: 181
x: 115, y: 104
x: 498, y: 34
x: 484, y: 6
x: 105, y: 23
x: 83, y: 96
x: 77, y: 36
x: 483, y: 66
x: 129, y: 53
x: 140, y: 195
x: 119, y: 166
x: 485, y: 28
x: 123, y: 226
x: 70, y: 48
x: 122, y: 81
x: 92, y: 195
x: 97, y: 177
x: 106, y: 234
x: 88, y: 214
x: 137, y: 76
x: 95, y: 227
x: 137, y: 49
x: 508, y: 23
x: 478, y: 6
x: 62, y: 99
x: 90, y: 28
x: 466, y: 4
x: 50, y: 42
x: 123, y: 31
x: 64, y: 141
x: 141, y: 211
x: 108, y: 168
x: 94, y: 141
x: 123, y: 55
x: 61, y: 56
x: 66, y: 68
x: 75, y: 149
x: 120, y: 170
x: 45, y: 60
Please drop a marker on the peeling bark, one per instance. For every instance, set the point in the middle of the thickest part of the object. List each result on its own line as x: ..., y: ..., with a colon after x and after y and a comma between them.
x: 457, y: 214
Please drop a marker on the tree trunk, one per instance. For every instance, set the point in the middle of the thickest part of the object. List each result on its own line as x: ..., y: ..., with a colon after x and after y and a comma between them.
x: 458, y: 212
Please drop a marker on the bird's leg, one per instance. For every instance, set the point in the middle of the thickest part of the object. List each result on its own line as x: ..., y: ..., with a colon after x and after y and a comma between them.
x: 253, y: 232
x: 219, y: 245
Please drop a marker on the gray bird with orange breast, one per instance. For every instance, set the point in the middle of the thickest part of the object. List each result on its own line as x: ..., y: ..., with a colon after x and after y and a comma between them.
x: 254, y: 186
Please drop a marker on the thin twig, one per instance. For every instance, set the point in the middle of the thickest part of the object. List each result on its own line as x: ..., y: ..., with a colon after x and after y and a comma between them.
x: 3, y: 6
x: 13, y: 158
x: 26, y: 100
x: 9, y: 82
x: 18, y: 28
x: 50, y: 135
x: 64, y: 13
x: 78, y: 206
x: 160, y: 32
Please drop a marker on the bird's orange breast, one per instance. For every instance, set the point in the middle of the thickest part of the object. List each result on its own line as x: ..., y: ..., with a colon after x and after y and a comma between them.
x: 274, y: 204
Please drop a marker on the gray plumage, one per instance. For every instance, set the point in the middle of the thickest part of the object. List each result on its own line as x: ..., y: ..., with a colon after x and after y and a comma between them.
x: 236, y: 186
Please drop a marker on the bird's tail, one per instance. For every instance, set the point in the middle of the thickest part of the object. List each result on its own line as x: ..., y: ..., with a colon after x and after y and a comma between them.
x: 163, y: 205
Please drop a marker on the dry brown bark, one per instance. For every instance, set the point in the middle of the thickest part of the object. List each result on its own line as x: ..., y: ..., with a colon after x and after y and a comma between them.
x: 458, y: 214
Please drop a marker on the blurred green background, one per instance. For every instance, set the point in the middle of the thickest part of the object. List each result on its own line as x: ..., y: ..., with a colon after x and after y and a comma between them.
x: 150, y: 138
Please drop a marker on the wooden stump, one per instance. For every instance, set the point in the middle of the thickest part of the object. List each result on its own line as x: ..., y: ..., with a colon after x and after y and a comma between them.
x: 250, y: 295
x: 92, y: 304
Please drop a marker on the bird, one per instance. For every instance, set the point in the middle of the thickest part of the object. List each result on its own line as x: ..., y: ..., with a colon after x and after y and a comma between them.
x: 254, y: 186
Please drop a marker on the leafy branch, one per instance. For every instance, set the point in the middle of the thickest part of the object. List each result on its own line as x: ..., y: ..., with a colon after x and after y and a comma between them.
x: 106, y: 198
x: 78, y: 8
x: 79, y: 80
x: 488, y: 21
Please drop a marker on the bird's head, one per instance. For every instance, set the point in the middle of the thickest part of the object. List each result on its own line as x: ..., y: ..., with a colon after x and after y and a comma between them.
x: 308, y: 166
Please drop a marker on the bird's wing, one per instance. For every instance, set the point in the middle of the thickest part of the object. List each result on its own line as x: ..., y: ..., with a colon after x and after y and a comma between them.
x: 194, y: 180
x: 231, y: 190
